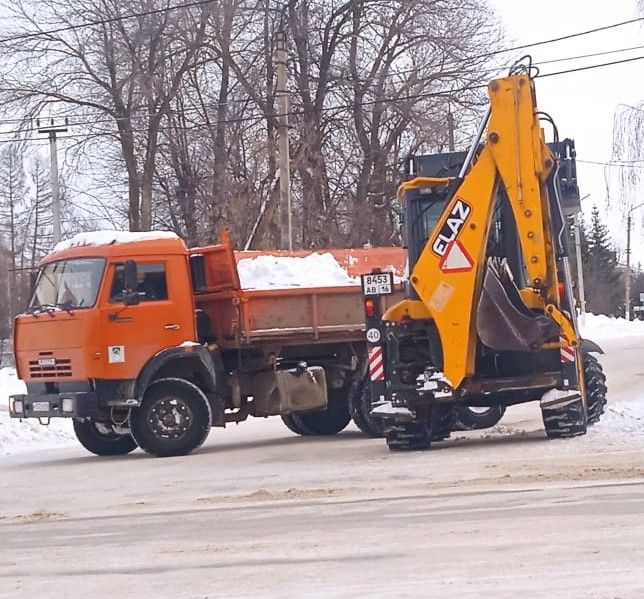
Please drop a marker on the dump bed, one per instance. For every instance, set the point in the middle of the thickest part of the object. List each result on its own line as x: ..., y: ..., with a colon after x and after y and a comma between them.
x: 286, y: 316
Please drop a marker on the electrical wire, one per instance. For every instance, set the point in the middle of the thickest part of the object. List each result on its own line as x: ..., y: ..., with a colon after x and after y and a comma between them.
x: 352, y: 105
x: 106, y: 21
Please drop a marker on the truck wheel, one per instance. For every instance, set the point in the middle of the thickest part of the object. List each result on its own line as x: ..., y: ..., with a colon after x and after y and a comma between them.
x: 101, y: 439
x: 407, y: 436
x: 595, y: 388
x: 360, y: 410
x: 295, y: 425
x: 173, y: 419
x: 329, y: 422
x: 472, y: 418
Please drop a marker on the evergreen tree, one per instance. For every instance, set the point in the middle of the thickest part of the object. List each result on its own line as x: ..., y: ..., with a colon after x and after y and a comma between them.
x: 603, y: 277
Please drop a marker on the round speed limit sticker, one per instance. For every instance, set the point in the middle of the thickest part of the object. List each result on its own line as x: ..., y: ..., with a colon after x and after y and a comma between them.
x: 373, y: 335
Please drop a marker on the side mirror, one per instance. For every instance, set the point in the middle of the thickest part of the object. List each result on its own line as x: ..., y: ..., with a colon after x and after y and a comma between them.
x: 130, y: 282
x: 130, y: 275
x: 131, y: 298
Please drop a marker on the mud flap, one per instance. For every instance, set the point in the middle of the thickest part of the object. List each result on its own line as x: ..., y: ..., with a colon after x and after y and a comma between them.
x: 503, y: 321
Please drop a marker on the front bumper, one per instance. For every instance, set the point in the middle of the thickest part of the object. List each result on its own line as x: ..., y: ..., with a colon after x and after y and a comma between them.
x: 80, y: 404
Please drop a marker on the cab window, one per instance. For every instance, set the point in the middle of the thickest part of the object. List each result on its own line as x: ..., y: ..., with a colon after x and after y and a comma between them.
x: 151, y: 286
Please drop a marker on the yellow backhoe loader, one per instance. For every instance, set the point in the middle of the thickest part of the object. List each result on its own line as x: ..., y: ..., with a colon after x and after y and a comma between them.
x: 489, y: 320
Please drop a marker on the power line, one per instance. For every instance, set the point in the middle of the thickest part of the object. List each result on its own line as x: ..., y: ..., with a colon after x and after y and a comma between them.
x: 247, y: 100
x: 621, y: 164
x: 105, y: 21
x: 351, y: 105
x: 544, y: 42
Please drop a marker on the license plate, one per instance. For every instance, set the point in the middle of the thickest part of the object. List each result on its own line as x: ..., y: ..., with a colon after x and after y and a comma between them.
x: 378, y: 284
x: 46, y: 361
x: 40, y: 406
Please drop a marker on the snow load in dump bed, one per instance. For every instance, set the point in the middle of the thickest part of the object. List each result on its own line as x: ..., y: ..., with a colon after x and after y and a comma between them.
x: 94, y: 238
x: 271, y: 272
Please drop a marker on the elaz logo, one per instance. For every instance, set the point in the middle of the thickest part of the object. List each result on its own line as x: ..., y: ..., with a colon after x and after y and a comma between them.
x: 453, y: 224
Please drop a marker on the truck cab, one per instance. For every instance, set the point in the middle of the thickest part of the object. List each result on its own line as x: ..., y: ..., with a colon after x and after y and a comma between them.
x: 79, y: 336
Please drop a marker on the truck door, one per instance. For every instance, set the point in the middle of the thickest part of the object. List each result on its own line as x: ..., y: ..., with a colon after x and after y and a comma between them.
x: 163, y: 318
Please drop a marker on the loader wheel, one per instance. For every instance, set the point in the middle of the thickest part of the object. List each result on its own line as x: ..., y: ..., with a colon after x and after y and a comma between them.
x: 329, y: 422
x: 295, y: 425
x: 407, y: 436
x: 567, y: 421
x: 100, y: 439
x: 444, y: 419
x: 595, y: 388
x: 473, y: 418
x: 173, y: 419
x: 360, y: 410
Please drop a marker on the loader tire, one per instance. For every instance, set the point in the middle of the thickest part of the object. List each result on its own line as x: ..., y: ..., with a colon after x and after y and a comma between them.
x: 407, y: 436
x: 471, y: 419
x: 568, y: 421
x: 328, y: 422
x: 360, y: 410
x: 173, y: 419
x: 295, y: 425
x: 444, y: 419
x: 102, y: 442
x: 595, y: 388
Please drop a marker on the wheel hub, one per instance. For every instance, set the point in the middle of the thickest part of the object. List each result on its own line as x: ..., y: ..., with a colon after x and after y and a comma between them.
x: 170, y: 418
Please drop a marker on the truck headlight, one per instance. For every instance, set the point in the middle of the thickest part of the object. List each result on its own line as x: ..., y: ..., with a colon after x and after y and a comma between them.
x: 15, y: 406
x: 68, y: 405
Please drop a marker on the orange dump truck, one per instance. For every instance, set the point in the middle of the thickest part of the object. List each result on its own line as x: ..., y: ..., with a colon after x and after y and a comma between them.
x: 145, y: 343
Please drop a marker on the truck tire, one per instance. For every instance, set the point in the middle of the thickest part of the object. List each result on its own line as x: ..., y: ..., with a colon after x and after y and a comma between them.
x: 595, y: 388
x: 173, y: 419
x: 295, y: 425
x: 472, y: 418
x: 360, y: 410
x: 329, y: 422
x: 102, y: 442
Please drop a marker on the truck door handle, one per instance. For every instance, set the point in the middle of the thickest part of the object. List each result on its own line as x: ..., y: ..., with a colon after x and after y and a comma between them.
x: 172, y: 327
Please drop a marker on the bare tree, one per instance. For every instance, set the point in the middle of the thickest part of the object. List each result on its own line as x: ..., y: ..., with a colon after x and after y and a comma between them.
x: 120, y: 73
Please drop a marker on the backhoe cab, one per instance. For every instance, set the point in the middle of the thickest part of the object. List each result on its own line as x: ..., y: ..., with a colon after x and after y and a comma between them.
x: 490, y: 319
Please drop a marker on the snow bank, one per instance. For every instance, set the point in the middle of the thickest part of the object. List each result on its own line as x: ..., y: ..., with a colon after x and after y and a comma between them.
x: 18, y: 436
x: 111, y: 237
x: 314, y: 270
x: 599, y: 326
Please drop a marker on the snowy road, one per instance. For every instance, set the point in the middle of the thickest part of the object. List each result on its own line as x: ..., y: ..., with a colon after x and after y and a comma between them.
x: 260, y: 512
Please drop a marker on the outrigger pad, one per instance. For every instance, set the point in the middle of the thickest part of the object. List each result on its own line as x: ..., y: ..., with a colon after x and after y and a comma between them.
x: 504, y: 322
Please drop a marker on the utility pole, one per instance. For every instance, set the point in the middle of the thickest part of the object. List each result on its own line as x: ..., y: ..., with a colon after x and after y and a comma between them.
x: 450, y: 129
x: 627, y: 299
x: 52, y: 130
x: 285, y: 215
x: 581, y: 291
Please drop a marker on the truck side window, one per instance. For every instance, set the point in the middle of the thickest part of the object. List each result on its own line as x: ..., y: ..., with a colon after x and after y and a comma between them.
x: 152, y: 284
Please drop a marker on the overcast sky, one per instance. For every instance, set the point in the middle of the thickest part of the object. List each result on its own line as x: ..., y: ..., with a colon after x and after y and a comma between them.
x: 583, y: 104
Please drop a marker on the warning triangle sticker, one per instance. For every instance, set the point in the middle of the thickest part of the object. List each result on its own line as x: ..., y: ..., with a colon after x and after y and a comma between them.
x: 456, y: 258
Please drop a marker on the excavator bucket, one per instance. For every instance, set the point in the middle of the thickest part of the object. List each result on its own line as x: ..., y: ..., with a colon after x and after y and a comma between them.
x: 504, y: 322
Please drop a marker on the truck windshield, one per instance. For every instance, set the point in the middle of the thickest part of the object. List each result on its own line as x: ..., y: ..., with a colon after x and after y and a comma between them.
x: 68, y: 284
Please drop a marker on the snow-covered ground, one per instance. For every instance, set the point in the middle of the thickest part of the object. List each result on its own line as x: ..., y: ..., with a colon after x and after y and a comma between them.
x: 16, y: 435
x: 259, y: 512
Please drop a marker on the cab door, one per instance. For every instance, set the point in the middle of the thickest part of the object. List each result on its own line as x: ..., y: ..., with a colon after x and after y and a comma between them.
x: 164, y: 316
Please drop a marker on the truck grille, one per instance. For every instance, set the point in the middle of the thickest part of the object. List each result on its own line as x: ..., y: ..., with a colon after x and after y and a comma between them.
x: 59, y: 367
